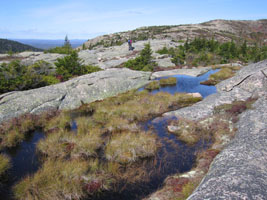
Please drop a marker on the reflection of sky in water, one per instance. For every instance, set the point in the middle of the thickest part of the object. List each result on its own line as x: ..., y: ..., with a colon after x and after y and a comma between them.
x: 189, y: 84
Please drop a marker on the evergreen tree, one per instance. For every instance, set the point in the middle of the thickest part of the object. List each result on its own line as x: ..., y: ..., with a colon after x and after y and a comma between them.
x: 67, y: 44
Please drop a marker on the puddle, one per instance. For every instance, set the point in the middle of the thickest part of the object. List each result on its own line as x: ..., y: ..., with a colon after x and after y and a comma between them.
x: 189, y: 84
x: 24, y: 161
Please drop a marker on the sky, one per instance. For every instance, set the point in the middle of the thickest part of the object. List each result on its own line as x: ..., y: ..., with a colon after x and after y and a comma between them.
x: 85, y: 19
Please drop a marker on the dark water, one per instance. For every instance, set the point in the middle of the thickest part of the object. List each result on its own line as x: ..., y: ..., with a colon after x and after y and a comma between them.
x: 189, y: 84
x: 24, y: 161
x: 173, y: 157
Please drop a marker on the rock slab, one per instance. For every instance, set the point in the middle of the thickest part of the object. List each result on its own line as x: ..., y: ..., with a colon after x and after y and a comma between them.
x: 71, y: 94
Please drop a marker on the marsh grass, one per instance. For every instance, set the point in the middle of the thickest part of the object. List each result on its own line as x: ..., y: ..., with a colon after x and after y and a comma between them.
x: 4, y: 164
x: 55, y: 180
x: 168, y: 81
x: 129, y: 147
x: 154, y: 85
x: 14, y: 131
x: 109, y: 146
x: 219, y: 76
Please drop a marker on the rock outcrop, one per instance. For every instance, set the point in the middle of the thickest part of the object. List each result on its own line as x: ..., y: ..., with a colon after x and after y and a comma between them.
x: 240, y: 170
x: 190, y: 72
x: 71, y: 94
x: 104, y: 57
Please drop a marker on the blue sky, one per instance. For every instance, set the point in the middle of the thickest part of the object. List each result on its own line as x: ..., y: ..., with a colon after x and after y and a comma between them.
x: 84, y: 19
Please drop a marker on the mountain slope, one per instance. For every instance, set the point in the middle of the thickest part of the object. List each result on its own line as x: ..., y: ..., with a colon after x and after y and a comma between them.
x: 221, y: 30
x: 10, y: 45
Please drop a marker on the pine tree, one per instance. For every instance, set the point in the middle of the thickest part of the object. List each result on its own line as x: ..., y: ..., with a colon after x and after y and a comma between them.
x: 67, y: 44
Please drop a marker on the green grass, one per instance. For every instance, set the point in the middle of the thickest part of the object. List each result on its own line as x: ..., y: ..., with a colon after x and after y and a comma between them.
x: 4, y: 164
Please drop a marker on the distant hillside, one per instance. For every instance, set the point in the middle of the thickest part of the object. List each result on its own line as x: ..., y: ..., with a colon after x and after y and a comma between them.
x: 221, y: 30
x: 10, y: 45
x: 47, y: 44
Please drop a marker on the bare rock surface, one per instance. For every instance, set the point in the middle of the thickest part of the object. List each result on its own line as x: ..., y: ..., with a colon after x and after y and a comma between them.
x: 190, y: 72
x: 240, y: 170
x: 71, y: 94
x: 250, y: 81
x: 104, y: 57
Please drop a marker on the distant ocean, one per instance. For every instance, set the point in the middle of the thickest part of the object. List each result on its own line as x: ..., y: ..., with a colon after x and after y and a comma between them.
x: 47, y: 44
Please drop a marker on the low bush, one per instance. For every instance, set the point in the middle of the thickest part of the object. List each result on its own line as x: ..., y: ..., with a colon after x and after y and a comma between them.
x: 143, y: 62
x: 15, y: 76
x: 71, y: 65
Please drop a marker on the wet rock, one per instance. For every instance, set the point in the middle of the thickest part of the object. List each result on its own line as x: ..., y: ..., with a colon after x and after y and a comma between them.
x: 71, y: 94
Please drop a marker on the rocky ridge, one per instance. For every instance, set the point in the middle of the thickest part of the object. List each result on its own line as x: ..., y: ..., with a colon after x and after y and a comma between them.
x: 221, y: 30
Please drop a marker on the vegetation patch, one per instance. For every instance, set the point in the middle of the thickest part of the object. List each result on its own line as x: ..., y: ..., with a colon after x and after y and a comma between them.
x: 129, y: 147
x: 62, y: 180
x: 16, y: 76
x: 4, y: 164
x: 201, y: 51
x: 143, y: 62
x: 107, y: 148
x: 15, y: 130
x: 219, y: 76
x: 168, y: 81
x: 154, y: 85
x: 220, y: 129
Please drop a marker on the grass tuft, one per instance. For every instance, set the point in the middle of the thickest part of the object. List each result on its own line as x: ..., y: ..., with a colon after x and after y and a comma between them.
x: 168, y: 81
x: 4, y: 164
x: 130, y: 147
x: 154, y: 85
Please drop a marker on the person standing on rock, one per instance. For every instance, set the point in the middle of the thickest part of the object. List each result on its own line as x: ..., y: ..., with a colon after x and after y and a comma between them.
x: 130, y: 45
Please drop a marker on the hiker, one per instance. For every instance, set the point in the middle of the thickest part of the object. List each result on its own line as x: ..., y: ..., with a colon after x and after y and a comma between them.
x: 130, y: 44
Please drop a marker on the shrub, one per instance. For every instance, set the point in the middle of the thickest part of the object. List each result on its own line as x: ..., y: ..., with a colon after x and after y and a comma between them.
x: 70, y: 66
x: 142, y: 62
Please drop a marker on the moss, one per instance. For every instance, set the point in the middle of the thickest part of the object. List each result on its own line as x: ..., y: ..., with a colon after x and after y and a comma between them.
x: 4, y: 164
x: 168, y: 81
x: 154, y: 85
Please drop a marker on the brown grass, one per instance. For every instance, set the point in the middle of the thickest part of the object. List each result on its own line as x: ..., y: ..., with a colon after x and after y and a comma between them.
x: 4, y: 164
